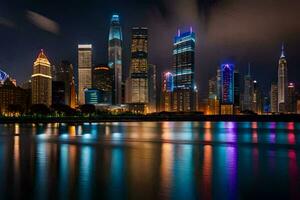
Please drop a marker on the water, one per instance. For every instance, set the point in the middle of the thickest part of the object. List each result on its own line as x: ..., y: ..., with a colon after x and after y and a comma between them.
x: 150, y: 160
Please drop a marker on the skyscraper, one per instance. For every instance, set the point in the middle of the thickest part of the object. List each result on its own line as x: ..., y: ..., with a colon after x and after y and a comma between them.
x: 227, y: 90
x: 256, y: 98
x: 84, y: 70
x: 236, y: 91
x: 115, y: 58
x: 291, y: 106
x: 183, y: 72
x: 65, y: 73
x: 274, y: 98
x: 213, y: 101
x: 282, y: 82
x: 248, y: 87
x: 167, y: 89
x: 102, y: 81
x: 152, y: 87
x: 139, y: 65
x: 41, y: 80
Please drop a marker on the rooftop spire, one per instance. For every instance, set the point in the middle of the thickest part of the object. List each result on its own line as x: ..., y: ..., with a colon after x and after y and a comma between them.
x: 282, y: 51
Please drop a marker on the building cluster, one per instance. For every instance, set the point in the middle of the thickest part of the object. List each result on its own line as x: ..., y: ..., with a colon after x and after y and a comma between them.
x: 106, y: 87
x: 226, y: 97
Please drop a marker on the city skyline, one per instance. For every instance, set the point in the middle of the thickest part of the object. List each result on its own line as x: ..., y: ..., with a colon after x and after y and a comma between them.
x: 261, y: 53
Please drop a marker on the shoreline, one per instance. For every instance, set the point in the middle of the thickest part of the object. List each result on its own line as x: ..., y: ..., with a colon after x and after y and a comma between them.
x: 153, y: 118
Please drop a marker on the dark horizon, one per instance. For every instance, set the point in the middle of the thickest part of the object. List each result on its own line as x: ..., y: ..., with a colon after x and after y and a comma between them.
x: 239, y: 30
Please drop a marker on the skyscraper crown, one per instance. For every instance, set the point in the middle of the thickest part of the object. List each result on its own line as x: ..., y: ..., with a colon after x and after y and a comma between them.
x: 282, y: 51
x: 42, y: 59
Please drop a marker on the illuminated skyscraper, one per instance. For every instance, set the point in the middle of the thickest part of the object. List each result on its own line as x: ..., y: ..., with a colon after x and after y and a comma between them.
x: 102, y: 81
x: 227, y: 88
x: 65, y: 73
x: 213, y: 101
x: 282, y: 82
x: 115, y: 58
x: 291, y: 106
x: 139, y: 66
x: 248, y: 87
x: 183, y: 72
x: 41, y: 80
x: 167, y: 89
x: 274, y: 98
x: 84, y: 70
x: 256, y: 98
x: 152, y: 87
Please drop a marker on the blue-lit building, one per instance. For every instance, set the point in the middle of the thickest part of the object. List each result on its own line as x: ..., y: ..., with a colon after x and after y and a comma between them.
x: 115, y: 58
x: 183, y: 72
x: 227, y: 88
x: 92, y: 96
x: 3, y: 76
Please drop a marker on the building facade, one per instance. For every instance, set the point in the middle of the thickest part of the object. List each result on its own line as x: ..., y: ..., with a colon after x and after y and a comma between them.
x: 282, y: 82
x: 102, y: 81
x: 115, y: 58
x: 227, y: 88
x: 152, y: 83
x: 84, y: 70
x: 183, y: 72
x: 167, y: 89
x: 12, y: 95
x: 274, y: 98
x: 248, y: 91
x: 139, y: 66
x: 65, y: 73
x: 41, y: 80
x: 92, y: 96
x: 291, y: 106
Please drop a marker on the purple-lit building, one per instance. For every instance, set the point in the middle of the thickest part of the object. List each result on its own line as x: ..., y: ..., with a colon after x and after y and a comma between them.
x: 227, y: 88
x: 167, y: 89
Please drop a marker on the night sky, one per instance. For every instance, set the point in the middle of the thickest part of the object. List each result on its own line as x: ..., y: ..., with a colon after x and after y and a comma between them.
x: 239, y: 31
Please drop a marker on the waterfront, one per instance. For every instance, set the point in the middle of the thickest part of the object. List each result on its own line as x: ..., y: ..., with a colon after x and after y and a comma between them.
x: 150, y: 160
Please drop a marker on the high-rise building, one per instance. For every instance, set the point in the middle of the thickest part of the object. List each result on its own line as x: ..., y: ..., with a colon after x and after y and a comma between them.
x: 256, y: 98
x: 291, y: 106
x: 236, y: 91
x: 65, y: 73
x: 183, y: 72
x: 58, y: 92
x: 213, y: 101
x: 84, y: 70
x: 167, y: 89
x: 152, y: 83
x: 115, y: 58
x: 139, y: 66
x: 274, y: 98
x: 227, y: 90
x: 41, y: 80
x: 247, y: 95
x: 282, y: 82
x: 102, y: 81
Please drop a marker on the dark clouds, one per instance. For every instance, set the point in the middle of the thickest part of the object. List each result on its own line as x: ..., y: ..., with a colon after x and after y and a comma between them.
x: 238, y: 30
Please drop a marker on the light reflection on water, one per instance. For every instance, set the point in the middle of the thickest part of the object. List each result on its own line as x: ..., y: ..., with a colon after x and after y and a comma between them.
x: 150, y: 160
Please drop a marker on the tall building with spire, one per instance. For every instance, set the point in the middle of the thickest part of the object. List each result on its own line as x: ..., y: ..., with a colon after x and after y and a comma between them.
x: 41, y: 80
x: 282, y: 81
x: 84, y: 70
x: 184, y: 72
x: 115, y: 58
